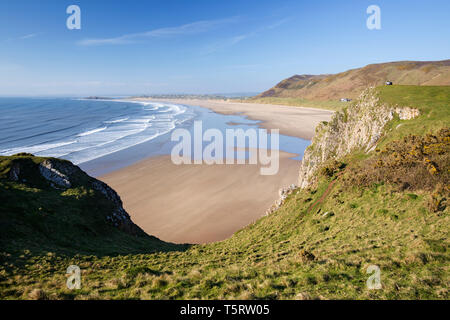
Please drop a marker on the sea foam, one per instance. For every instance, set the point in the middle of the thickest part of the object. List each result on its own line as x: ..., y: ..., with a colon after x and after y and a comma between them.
x: 81, y: 130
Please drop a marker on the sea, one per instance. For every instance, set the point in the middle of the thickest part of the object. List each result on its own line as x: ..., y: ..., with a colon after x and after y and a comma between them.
x: 102, y: 135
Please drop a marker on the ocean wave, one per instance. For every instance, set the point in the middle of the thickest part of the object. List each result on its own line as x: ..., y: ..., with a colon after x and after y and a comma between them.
x: 121, y: 127
x: 38, y: 134
x: 78, y: 159
x: 89, y: 132
x: 117, y: 121
x: 36, y: 148
x: 113, y: 141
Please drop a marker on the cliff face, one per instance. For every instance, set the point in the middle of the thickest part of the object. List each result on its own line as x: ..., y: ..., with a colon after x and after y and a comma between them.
x: 62, y: 175
x: 360, y: 126
x: 49, y: 204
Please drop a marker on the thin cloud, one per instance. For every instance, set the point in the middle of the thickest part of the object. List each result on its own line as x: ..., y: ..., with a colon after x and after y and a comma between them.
x: 186, y: 29
x: 227, y: 43
x: 28, y: 36
x: 24, y: 37
x: 277, y: 24
x: 239, y: 38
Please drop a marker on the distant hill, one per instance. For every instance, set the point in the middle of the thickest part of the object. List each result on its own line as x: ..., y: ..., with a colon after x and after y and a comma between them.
x: 349, y: 84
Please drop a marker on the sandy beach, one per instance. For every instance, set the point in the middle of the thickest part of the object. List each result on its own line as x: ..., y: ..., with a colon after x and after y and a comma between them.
x: 292, y: 121
x: 197, y: 203
x: 206, y: 203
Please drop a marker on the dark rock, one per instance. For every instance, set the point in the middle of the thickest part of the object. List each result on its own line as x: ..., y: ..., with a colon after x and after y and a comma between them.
x: 14, y: 172
x: 51, y: 171
x: 64, y: 174
x: 119, y: 217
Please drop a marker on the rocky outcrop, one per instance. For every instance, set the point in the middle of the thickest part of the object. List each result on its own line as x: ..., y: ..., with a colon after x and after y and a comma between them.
x: 283, y: 194
x: 406, y: 113
x: 65, y: 174
x: 14, y: 172
x: 62, y: 175
x: 360, y: 126
x: 118, y: 217
x: 49, y: 170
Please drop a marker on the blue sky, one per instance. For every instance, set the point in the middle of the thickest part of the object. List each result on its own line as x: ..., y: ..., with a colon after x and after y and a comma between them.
x: 197, y: 46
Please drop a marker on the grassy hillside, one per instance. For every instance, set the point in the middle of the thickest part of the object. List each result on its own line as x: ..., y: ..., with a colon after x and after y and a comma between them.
x: 42, y: 218
x: 433, y: 103
x: 317, y: 245
x: 299, y: 102
x: 326, y: 90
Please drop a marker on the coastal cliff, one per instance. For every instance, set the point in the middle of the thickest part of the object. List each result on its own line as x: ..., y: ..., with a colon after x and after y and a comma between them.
x: 51, y: 204
x: 359, y: 126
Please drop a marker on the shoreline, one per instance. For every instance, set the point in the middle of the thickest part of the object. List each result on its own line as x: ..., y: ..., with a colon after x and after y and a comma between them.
x: 288, y: 120
x: 191, y: 203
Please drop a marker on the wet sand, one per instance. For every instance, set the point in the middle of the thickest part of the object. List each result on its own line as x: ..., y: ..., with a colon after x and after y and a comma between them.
x: 292, y: 121
x: 206, y: 203
x: 197, y: 203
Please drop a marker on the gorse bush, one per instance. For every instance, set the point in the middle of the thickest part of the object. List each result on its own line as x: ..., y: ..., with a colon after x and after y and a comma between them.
x: 414, y: 163
x: 332, y: 167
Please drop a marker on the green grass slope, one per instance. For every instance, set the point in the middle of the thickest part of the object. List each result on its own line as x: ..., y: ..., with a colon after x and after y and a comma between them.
x: 38, y: 217
x: 318, y: 245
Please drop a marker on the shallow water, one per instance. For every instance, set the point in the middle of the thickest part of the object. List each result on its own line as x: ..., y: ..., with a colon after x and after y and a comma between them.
x: 104, y: 135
